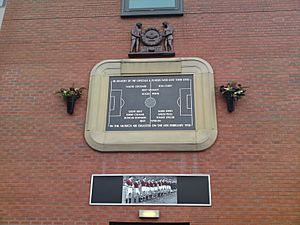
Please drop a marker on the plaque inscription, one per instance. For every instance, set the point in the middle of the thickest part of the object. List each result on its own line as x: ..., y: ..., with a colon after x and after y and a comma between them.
x: 150, y: 103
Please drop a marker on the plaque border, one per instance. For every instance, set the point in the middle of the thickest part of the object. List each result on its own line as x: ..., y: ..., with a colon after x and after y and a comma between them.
x: 201, y: 138
x: 151, y: 204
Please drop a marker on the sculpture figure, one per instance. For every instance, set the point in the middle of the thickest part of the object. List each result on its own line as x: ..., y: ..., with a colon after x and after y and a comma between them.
x: 151, y: 42
x: 168, y: 34
x: 136, y: 34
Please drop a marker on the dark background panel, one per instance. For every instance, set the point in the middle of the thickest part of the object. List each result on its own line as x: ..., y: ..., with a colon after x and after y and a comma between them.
x: 166, y: 100
x: 132, y: 223
x: 192, y: 190
x: 107, y: 189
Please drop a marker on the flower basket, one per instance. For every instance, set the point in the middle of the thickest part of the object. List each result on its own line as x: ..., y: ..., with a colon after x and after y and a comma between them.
x: 232, y: 92
x: 70, y: 95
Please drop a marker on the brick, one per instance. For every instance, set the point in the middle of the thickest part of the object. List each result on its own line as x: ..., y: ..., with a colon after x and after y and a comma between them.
x: 45, y: 164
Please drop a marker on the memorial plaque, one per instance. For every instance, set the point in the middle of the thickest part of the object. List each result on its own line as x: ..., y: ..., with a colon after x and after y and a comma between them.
x: 150, y: 103
x: 165, y: 104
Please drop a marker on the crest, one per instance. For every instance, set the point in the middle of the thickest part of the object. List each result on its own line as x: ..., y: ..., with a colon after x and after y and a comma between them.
x: 151, y: 42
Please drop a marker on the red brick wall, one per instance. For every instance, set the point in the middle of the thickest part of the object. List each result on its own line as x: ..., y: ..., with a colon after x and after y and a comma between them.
x: 45, y: 164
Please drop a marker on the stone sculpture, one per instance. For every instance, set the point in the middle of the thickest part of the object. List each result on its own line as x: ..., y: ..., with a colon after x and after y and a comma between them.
x: 151, y: 42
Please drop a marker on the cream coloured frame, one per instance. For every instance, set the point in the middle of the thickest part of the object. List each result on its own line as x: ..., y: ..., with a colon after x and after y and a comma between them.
x: 201, y: 138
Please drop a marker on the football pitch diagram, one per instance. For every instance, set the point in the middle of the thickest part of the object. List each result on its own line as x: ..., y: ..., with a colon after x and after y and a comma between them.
x: 151, y: 103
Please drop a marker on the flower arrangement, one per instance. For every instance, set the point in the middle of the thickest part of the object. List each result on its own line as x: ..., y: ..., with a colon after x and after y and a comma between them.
x: 72, y: 91
x: 70, y: 95
x: 232, y: 92
x: 234, y: 89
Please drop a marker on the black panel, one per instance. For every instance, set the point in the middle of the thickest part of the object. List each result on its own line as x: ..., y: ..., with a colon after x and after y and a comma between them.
x: 133, y: 223
x: 107, y: 189
x: 163, y: 189
x: 193, y: 190
x: 151, y: 103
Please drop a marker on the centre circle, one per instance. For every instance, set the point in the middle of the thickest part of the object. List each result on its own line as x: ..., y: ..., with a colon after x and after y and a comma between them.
x: 150, y: 102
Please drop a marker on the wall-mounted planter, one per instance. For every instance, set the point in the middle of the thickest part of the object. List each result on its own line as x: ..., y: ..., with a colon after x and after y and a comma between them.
x: 71, y: 103
x: 232, y: 92
x: 70, y: 95
x: 230, y: 102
